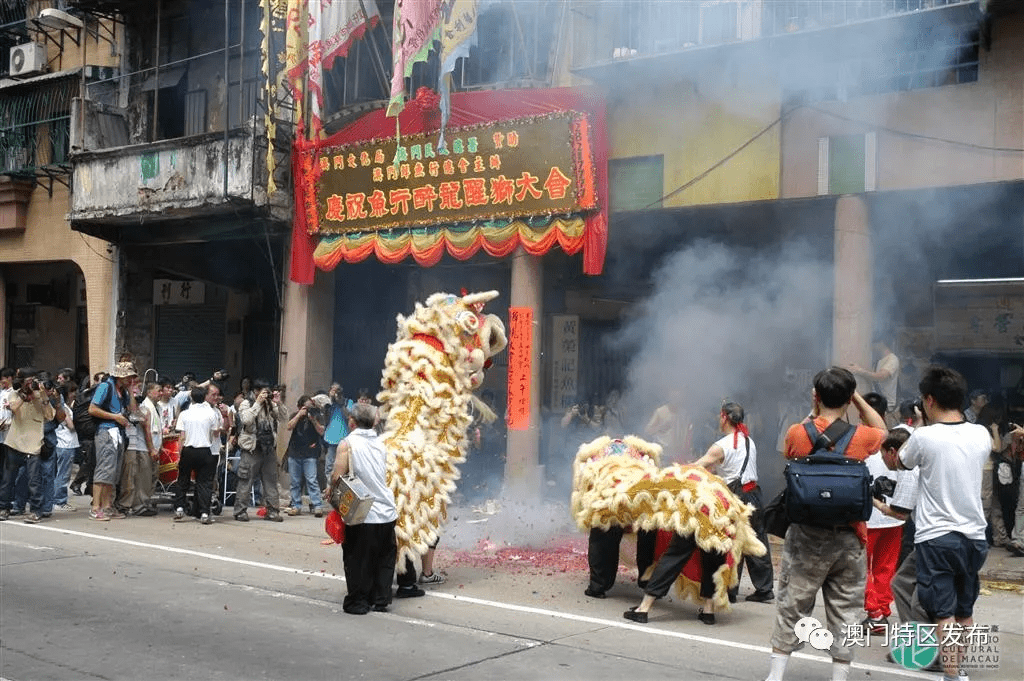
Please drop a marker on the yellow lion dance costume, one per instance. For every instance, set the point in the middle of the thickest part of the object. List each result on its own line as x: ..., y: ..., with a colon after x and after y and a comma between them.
x: 618, y: 482
x: 430, y: 372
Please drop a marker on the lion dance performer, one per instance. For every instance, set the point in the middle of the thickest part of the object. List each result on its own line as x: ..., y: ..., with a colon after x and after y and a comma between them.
x: 430, y: 373
x: 617, y: 483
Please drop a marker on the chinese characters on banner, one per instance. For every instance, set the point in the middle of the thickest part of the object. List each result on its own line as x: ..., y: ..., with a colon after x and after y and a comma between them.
x: 506, y: 169
x: 565, y: 354
x: 175, y: 292
x: 520, y: 346
x: 989, y: 317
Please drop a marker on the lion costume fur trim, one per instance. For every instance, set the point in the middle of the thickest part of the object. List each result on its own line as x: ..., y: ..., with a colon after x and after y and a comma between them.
x: 430, y: 371
x: 618, y: 482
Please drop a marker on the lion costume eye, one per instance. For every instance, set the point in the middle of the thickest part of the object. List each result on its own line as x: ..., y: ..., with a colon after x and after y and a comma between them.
x: 469, y: 321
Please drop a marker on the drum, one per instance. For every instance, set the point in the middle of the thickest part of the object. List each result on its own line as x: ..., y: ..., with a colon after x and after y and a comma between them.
x: 170, y: 453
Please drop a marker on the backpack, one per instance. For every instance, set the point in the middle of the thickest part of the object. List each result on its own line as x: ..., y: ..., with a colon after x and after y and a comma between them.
x: 85, y: 424
x: 826, y: 488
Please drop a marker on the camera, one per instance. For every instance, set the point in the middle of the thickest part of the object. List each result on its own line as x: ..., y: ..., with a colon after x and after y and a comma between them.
x: 882, y: 487
x: 221, y: 375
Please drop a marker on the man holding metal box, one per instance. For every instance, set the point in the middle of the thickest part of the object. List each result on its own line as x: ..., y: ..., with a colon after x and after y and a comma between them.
x: 369, y: 549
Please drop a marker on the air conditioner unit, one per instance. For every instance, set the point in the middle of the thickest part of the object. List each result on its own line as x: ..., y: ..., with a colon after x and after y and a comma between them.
x: 27, y: 59
x: 725, y: 21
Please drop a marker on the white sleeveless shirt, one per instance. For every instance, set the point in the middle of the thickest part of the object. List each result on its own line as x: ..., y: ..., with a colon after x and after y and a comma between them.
x: 368, y: 461
x: 729, y: 469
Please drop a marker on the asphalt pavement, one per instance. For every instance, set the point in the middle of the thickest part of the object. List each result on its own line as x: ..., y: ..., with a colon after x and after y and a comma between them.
x: 148, y: 598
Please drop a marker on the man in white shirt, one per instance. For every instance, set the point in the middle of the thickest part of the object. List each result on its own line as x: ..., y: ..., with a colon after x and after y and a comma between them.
x: 369, y: 550
x: 950, y: 537
x: 199, y: 426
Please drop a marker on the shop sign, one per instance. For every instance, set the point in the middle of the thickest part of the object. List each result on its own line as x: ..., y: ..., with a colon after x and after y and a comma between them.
x: 974, y: 317
x: 524, y: 167
x: 565, y: 354
x: 176, y: 292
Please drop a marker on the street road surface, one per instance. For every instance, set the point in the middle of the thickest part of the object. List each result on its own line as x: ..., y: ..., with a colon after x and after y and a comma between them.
x: 149, y: 599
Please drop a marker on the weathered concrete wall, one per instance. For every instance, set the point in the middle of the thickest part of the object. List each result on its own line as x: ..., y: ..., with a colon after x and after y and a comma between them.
x: 988, y: 113
x: 48, y: 238
x: 177, y: 176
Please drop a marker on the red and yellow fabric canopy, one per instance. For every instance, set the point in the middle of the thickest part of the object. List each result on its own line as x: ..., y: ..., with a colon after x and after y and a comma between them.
x: 586, y: 231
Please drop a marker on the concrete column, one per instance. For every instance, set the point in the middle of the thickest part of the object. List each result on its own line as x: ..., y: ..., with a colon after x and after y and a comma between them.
x: 522, y: 463
x: 101, y: 300
x: 853, y: 311
x: 307, y: 336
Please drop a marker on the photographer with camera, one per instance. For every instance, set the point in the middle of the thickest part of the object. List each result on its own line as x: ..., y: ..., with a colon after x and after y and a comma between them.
x: 336, y: 421
x: 884, y: 537
x: 259, y: 417
x: 307, y: 427
x: 30, y: 408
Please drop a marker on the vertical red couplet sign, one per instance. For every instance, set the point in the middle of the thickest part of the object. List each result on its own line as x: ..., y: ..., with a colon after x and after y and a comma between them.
x: 520, y: 346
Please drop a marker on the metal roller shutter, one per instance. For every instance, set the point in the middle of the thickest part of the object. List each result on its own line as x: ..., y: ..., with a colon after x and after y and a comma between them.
x: 189, y: 338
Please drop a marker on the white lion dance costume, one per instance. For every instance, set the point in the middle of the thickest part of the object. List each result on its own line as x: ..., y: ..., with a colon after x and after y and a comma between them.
x: 430, y: 372
x: 618, y: 482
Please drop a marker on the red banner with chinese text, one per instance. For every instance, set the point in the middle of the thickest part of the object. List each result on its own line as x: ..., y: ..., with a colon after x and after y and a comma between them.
x: 468, y: 108
x: 520, y: 348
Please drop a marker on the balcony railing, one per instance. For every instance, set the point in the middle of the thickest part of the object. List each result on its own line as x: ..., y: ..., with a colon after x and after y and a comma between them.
x: 623, y: 29
x: 35, y: 124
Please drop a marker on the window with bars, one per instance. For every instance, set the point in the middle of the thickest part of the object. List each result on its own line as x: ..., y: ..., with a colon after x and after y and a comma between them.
x: 35, y: 120
x: 949, y: 58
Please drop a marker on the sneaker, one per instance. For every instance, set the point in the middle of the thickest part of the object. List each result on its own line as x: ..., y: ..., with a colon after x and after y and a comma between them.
x: 114, y: 514
x: 4, y: 515
x: 409, y: 592
x: 242, y: 517
x: 145, y: 512
x: 592, y: 593
x: 318, y: 512
x: 877, y: 625
x: 205, y: 519
x: 33, y: 518
x: 761, y: 597
x: 179, y: 513
x: 293, y: 511
x: 274, y: 517
x: 64, y: 507
x: 433, y: 578
x: 76, y: 490
x: 98, y: 515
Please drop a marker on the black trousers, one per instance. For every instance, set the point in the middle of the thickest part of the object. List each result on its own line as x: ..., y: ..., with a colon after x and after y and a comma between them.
x: 200, y: 461
x: 84, y: 475
x: 762, y: 575
x: 674, y: 559
x: 368, y: 554
x: 603, y: 556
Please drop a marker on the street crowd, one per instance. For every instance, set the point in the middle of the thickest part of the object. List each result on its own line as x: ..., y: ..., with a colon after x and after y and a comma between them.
x: 950, y: 467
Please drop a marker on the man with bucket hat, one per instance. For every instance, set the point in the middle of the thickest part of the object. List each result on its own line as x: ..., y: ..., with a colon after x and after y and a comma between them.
x: 112, y: 399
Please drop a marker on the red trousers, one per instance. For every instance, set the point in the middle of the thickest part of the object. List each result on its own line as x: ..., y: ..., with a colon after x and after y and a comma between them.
x: 883, y: 549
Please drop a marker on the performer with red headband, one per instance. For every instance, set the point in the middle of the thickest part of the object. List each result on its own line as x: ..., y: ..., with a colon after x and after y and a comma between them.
x: 734, y: 459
